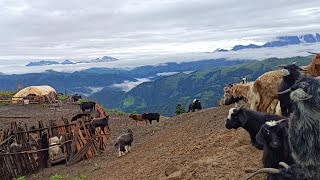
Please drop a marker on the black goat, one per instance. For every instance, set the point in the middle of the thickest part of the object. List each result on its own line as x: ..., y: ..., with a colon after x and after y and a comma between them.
x: 304, y: 129
x: 232, y: 100
x: 250, y: 120
x: 196, y: 104
x: 88, y: 105
x: 151, y: 116
x: 79, y: 115
x: 75, y: 97
x: 99, y: 122
x: 290, y: 74
x: 273, y: 135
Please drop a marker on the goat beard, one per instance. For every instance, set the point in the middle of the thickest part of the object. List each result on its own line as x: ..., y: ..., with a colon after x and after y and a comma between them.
x: 299, y: 95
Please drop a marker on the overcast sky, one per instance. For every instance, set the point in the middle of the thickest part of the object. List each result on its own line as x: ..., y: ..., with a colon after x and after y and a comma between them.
x: 131, y: 29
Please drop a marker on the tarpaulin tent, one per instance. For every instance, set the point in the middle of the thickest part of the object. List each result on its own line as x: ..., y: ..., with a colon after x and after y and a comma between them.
x: 45, y: 92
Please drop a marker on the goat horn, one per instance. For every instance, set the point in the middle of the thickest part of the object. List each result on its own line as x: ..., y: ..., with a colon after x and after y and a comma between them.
x: 281, y: 120
x: 285, y: 91
x: 264, y: 170
x: 312, y: 52
x: 283, y: 164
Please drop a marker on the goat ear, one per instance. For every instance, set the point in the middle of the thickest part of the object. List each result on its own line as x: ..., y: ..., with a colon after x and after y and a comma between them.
x: 260, y: 138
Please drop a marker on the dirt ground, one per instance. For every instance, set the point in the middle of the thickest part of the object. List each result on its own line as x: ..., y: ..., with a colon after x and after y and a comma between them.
x: 189, y: 146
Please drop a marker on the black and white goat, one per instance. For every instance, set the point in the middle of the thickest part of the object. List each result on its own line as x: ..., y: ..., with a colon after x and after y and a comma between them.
x: 250, y: 120
x: 195, y: 105
x: 124, y: 142
x: 273, y: 135
x: 290, y: 74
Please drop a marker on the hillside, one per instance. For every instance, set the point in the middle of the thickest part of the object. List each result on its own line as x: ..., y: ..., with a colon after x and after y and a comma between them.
x: 74, y: 82
x: 162, y: 95
x: 196, y: 144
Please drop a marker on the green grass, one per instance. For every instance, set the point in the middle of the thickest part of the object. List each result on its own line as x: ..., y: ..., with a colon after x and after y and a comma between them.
x: 81, y: 177
x: 20, y: 178
x: 56, y: 177
x: 129, y: 101
x: 6, y: 95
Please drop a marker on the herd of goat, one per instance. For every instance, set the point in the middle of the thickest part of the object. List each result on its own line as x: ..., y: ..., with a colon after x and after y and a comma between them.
x: 283, y: 119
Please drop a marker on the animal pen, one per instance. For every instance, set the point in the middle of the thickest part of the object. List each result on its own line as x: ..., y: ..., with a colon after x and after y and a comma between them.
x: 25, y: 150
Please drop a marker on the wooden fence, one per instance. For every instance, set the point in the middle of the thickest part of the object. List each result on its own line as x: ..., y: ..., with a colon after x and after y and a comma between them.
x: 78, y: 144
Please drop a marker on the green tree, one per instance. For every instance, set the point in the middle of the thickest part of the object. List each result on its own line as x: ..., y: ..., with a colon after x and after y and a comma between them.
x: 180, y: 109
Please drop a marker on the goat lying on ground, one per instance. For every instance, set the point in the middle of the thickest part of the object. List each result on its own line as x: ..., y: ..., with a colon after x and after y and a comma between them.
x: 151, y: 116
x: 124, y: 142
x: 250, y: 120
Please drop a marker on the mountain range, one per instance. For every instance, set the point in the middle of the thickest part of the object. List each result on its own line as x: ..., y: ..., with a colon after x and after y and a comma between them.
x: 67, y: 61
x: 200, y: 79
x: 280, y: 41
x: 163, y: 94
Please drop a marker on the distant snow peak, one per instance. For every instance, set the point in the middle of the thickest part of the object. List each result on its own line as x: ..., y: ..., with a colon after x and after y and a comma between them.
x: 69, y: 62
x: 280, y: 41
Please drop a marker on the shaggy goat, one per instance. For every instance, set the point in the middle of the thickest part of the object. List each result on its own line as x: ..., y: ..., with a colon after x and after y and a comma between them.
x: 266, y: 87
x: 313, y: 69
x: 250, y: 120
x: 273, y: 135
x: 124, y: 142
x: 290, y: 74
x: 304, y: 129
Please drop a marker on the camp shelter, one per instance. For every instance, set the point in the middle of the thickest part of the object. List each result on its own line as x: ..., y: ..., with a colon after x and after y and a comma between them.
x: 42, y: 93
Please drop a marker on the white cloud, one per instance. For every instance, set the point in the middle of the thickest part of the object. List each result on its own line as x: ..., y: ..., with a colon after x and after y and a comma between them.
x: 128, y: 85
x: 138, y: 29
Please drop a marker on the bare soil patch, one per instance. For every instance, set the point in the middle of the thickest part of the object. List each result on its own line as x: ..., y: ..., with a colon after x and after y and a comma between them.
x: 189, y: 146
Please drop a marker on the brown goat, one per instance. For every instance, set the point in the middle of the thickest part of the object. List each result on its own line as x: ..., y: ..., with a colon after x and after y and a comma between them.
x: 137, y: 117
x: 313, y: 69
x: 266, y: 86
